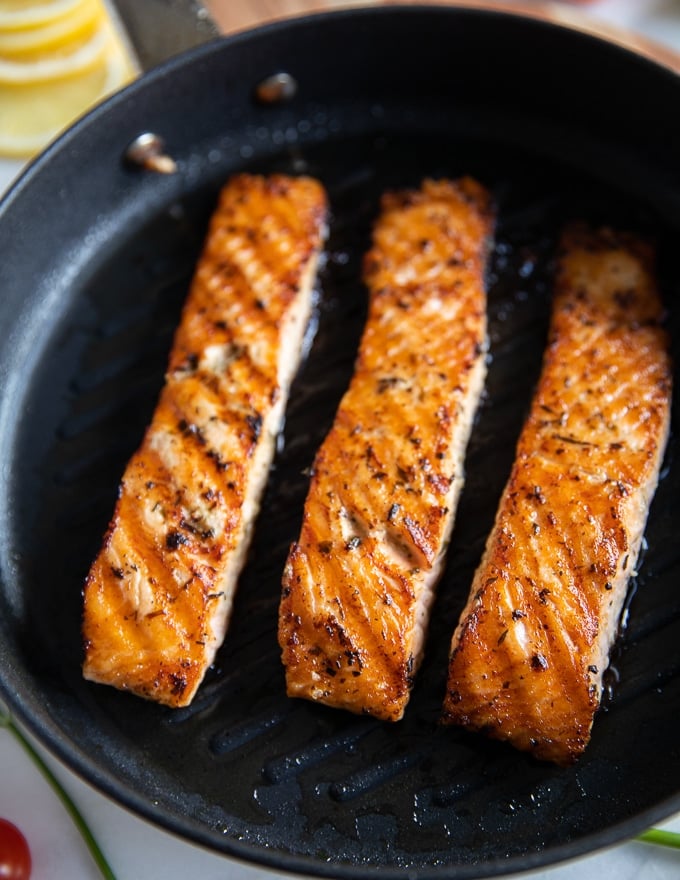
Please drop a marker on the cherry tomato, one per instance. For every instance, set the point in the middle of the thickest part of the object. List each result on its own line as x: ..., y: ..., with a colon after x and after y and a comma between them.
x: 15, y: 856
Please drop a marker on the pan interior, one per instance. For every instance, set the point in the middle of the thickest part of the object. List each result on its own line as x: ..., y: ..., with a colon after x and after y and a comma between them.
x: 244, y: 770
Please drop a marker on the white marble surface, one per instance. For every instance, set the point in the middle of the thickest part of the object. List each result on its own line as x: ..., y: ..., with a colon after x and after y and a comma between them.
x: 140, y: 851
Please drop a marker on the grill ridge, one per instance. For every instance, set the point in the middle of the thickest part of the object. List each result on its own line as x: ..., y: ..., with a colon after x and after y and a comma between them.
x: 320, y: 750
x: 235, y: 736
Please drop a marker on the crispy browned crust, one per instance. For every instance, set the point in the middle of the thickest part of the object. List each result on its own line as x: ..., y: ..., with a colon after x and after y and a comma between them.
x: 158, y: 596
x: 533, y: 641
x: 359, y: 582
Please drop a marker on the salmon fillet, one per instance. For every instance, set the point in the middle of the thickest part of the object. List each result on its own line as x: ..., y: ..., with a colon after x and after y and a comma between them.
x: 359, y: 582
x: 158, y: 597
x: 533, y: 641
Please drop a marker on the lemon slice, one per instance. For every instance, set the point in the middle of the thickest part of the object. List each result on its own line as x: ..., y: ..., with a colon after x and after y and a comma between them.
x: 50, y: 67
x: 16, y: 14
x: 58, y: 35
x: 57, y: 59
x: 32, y: 114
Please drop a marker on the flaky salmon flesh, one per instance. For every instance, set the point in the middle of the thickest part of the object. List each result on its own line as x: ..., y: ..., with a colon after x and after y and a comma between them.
x: 359, y: 582
x: 533, y: 641
x: 159, y: 595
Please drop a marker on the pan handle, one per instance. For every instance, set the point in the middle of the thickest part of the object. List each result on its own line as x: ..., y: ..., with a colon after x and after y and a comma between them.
x: 158, y: 29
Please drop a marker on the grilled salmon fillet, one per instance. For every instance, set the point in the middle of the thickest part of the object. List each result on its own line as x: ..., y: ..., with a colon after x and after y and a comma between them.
x: 533, y: 641
x: 359, y: 582
x: 158, y: 597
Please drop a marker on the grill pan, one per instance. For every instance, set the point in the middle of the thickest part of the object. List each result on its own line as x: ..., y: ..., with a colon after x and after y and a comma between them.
x: 96, y: 259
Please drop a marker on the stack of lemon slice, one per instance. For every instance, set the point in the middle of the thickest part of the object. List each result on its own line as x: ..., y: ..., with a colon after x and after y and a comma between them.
x: 57, y: 59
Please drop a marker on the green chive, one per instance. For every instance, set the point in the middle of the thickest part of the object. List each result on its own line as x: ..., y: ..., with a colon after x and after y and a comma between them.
x: 71, y: 808
x: 661, y: 837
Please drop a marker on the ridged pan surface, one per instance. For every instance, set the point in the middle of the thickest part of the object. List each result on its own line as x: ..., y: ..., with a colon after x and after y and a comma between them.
x: 245, y: 770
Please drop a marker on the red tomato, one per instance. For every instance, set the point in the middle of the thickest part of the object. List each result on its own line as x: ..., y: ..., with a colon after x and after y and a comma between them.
x: 15, y: 856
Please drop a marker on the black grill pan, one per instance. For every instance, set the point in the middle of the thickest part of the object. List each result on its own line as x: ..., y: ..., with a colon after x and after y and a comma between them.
x: 96, y: 257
